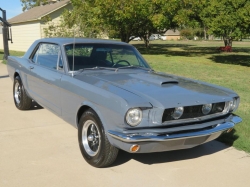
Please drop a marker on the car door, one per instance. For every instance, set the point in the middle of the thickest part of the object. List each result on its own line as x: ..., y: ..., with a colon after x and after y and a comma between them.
x: 44, y: 80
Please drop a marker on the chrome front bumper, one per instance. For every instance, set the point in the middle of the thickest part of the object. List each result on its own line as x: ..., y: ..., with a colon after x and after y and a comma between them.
x: 171, y: 141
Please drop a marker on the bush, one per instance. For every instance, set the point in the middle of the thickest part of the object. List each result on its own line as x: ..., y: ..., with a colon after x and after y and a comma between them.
x: 186, y: 33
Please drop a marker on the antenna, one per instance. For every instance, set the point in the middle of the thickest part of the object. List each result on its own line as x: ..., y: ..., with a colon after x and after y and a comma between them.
x: 73, y: 68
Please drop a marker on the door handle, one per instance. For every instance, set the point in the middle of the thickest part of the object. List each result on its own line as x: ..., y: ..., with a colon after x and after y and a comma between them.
x: 31, y: 67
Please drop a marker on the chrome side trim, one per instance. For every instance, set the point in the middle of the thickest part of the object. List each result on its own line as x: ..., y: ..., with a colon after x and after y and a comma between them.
x: 129, y: 138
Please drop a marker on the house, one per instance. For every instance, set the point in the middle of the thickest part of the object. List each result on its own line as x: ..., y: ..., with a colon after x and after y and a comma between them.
x: 171, y: 35
x: 28, y: 26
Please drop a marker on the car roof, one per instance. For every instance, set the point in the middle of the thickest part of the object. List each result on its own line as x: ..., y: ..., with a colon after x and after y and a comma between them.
x: 63, y: 41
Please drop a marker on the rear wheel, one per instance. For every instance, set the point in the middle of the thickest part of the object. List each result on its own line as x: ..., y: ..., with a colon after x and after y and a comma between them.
x: 93, y: 142
x: 21, y: 99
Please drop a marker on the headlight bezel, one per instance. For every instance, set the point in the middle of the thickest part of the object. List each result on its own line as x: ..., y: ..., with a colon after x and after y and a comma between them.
x: 234, y: 104
x: 134, y: 122
x: 207, y: 108
x: 177, y: 111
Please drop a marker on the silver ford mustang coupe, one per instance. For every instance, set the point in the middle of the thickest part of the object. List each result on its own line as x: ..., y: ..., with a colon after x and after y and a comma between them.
x: 116, y: 101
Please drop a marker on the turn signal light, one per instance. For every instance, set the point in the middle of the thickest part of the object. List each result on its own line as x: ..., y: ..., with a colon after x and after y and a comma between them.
x: 134, y: 148
x: 229, y: 130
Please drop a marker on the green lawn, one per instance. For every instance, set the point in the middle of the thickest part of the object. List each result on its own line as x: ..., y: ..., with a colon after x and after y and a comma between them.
x: 201, y: 60
x: 12, y: 53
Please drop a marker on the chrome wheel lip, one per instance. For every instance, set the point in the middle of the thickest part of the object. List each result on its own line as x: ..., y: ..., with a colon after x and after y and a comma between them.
x: 17, y: 93
x: 88, y: 130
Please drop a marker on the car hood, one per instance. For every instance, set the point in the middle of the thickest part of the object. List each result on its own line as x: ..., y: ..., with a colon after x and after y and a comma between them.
x: 164, y: 90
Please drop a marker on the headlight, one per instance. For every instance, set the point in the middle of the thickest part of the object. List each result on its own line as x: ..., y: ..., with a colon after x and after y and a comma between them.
x: 206, y: 108
x: 134, y: 116
x: 233, y: 105
x: 178, y: 111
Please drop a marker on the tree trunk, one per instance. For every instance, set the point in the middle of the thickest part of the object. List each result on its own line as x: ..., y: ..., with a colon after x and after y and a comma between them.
x: 124, y: 36
x: 146, y: 42
x: 228, y: 41
x: 146, y: 39
x: 205, y: 33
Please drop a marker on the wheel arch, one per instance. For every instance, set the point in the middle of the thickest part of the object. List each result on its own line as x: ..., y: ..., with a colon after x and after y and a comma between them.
x: 86, y: 106
x: 16, y: 74
x: 81, y: 110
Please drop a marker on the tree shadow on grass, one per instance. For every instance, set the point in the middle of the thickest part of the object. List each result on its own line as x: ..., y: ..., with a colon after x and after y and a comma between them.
x: 171, y: 156
x: 161, y: 49
x: 234, y: 59
x: 176, y: 50
x: 241, y: 49
x: 194, y: 51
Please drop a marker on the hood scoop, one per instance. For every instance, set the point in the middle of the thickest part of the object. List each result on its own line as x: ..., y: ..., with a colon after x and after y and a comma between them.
x: 170, y: 82
x: 155, y: 78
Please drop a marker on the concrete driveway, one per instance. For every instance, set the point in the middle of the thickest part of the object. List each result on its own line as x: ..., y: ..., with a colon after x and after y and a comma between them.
x: 38, y: 149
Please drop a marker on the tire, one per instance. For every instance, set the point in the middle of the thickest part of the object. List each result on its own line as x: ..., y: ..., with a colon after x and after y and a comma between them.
x: 93, y: 142
x: 21, y: 99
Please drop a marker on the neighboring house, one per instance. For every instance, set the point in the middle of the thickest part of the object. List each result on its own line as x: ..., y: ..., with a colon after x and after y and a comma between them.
x: 28, y: 26
x: 171, y: 35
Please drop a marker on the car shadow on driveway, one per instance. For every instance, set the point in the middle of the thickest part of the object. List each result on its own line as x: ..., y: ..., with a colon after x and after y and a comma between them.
x: 171, y: 156
x: 4, y: 76
x: 35, y: 106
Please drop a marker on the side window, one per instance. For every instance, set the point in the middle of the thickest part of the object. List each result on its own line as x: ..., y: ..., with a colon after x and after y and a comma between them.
x: 48, y: 55
x: 60, y: 63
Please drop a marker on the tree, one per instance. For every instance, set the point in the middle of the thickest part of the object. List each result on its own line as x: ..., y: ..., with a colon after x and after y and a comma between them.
x: 125, y: 17
x: 28, y: 4
x: 188, y: 15
x: 227, y: 18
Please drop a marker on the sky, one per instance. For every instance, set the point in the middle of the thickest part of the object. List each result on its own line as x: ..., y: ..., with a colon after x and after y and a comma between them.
x: 12, y: 7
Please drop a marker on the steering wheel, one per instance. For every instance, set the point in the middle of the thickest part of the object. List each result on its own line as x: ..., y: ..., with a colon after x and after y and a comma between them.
x: 119, y: 61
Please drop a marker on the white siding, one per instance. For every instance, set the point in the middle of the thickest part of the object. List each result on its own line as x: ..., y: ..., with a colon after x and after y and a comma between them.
x: 55, y: 18
x: 23, y: 34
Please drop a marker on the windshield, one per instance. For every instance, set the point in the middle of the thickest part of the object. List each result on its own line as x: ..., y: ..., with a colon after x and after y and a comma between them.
x: 103, y: 55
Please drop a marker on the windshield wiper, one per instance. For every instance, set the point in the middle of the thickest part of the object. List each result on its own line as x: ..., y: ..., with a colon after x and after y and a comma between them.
x: 115, y: 69
x: 95, y: 68
x: 139, y: 67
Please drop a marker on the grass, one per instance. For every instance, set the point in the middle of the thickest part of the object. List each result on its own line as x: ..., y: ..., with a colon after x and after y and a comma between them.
x: 201, y: 60
x: 12, y: 53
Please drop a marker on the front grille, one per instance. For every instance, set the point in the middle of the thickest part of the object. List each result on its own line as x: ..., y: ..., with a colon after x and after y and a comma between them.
x: 193, y: 111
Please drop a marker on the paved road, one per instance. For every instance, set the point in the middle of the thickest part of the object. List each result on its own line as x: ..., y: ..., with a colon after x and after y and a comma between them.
x: 38, y: 149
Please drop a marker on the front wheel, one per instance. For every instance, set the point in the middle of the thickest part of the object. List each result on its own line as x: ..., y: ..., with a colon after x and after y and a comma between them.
x: 21, y: 99
x: 93, y: 142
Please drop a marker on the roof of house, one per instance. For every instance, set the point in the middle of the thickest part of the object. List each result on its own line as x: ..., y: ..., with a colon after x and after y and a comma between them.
x: 171, y: 32
x: 38, y: 12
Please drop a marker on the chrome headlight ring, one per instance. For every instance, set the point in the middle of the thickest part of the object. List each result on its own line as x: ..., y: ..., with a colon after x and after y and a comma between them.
x: 134, y: 116
x: 233, y: 105
x: 178, y: 111
x: 206, y: 109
